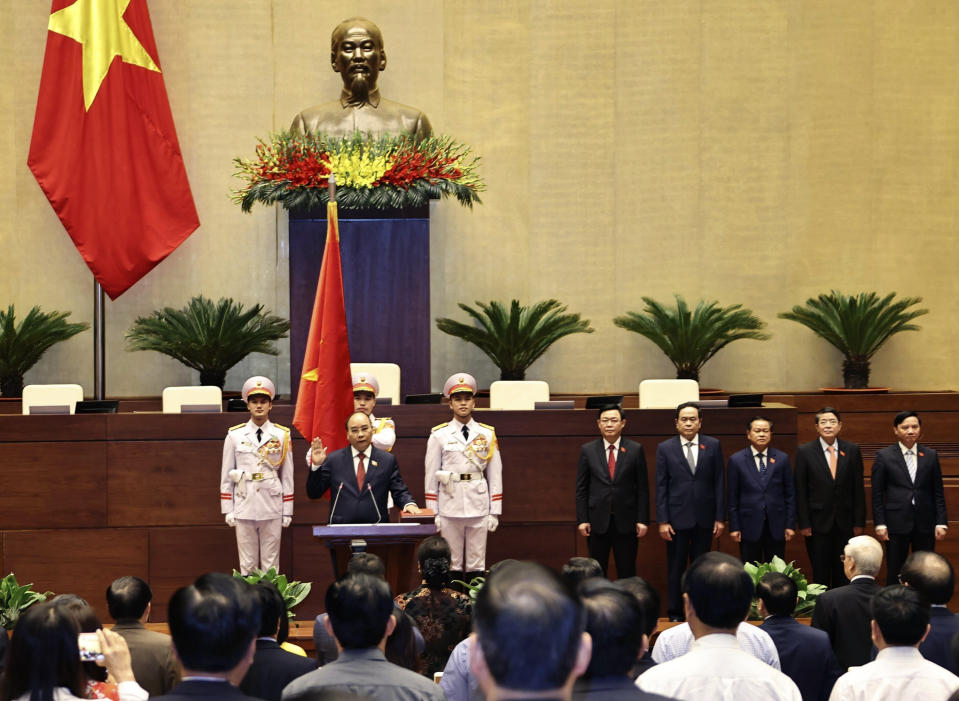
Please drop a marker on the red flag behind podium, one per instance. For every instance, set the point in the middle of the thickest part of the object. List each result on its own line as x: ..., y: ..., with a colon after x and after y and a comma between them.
x: 325, y: 399
x: 104, y: 149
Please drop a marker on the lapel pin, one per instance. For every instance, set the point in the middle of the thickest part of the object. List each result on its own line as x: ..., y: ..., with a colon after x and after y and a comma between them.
x: 374, y: 463
x: 922, y: 455
x: 702, y: 446
x: 622, y: 449
x: 843, y: 453
x: 772, y: 459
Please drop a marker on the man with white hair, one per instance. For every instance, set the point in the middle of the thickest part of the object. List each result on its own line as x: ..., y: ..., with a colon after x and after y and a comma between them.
x: 844, y: 612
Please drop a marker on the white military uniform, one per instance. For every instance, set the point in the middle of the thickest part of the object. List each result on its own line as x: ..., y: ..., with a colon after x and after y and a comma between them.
x: 256, y: 486
x: 469, y: 493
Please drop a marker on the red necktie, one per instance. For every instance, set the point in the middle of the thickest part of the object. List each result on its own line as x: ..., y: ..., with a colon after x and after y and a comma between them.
x: 612, y: 461
x: 360, y: 472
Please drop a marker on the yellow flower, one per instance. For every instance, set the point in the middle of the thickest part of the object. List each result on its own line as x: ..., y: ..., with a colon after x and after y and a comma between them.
x: 357, y: 167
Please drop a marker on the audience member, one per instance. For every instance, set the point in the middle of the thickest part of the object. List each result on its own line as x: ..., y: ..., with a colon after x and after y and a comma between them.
x: 530, y: 640
x: 96, y: 685
x: 677, y: 641
x: 717, y: 593
x: 43, y: 660
x: 273, y: 667
x: 129, y: 603
x: 932, y: 576
x: 440, y: 611
x: 213, y: 623
x: 804, y: 652
x: 579, y: 569
x: 614, y: 621
x: 360, y: 609
x: 844, y: 612
x: 900, y: 620
x: 649, y: 601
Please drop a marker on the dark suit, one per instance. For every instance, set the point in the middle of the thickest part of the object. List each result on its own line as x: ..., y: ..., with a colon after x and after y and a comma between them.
x: 761, y: 507
x: 192, y: 690
x: 613, y: 507
x: 909, y: 511
x: 352, y: 505
x: 805, y: 656
x: 844, y: 614
x: 831, y: 507
x: 272, y: 669
x: 943, y: 624
x: 691, y: 503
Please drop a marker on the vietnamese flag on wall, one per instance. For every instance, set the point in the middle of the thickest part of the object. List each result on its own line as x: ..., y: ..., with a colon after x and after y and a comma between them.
x: 104, y: 149
x: 325, y: 398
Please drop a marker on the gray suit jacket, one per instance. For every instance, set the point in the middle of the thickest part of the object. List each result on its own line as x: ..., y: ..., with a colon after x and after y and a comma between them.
x: 151, y: 653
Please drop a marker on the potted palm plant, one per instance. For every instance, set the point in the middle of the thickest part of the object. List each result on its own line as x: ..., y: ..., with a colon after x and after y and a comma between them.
x: 690, y: 337
x: 857, y: 325
x: 23, y: 344
x: 208, y: 336
x: 514, y: 340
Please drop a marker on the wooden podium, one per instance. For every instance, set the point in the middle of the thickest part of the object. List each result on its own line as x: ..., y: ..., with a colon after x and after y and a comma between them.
x: 395, y: 543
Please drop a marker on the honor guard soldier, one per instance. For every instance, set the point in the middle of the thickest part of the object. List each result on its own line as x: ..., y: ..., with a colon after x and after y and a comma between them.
x: 365, y: 390
x: 464, y: 479
x: 256, y: 481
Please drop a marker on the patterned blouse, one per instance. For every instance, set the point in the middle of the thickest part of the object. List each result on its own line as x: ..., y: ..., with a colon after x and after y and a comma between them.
x: 443, y: 617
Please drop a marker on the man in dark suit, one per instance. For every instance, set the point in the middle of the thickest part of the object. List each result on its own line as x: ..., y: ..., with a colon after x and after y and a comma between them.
x: 359, y: 476
x: 612, y: 493
x: 213, y: 623
x: 273, y: 667
x: 805, y: 654
x: 760, y: 495
x: 844, y: 612
x: 690, y: 505
x: 908, y: 503
x: 830, y: 497
x: 932, y: 575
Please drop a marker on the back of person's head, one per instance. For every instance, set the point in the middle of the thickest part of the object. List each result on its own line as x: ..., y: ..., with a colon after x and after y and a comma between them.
x: 614, y: 619
x: 43, y: 655
x: 529, y: 626
x: 87, y: 622
x: 213, y: 621
x: 648, y: 599
x: 366, y: 563
x: 359, y: 608
x: 931, y: 575
x: 127, y: 598
x: 867, y: 553
x: 434, y: 558
x: 272, y: 608
x: 778, y: 593
x: 901, y: 614
x: 719, y: 590
x: 579, y: 569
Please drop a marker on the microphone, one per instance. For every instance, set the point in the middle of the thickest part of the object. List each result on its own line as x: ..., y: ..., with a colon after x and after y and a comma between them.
x: 379, y: 516
x: 333, y: 508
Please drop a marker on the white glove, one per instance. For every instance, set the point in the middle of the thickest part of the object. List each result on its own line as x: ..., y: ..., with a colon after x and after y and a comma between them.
x: 438, y: 520
x: 235, y: 475
x: 444, y: 476
x: 491, y: 523
x: 287, y: 520
x: 230, y: 520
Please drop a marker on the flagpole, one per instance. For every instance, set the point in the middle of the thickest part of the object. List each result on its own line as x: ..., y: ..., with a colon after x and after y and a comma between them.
x: 331, y: 187
x: 99, y: 367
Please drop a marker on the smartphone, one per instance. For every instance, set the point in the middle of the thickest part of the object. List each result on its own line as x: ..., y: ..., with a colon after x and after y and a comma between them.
x: 89, y: 646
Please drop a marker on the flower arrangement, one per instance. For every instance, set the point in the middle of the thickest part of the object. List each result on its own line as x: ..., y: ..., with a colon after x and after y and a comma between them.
x: 371, y: 172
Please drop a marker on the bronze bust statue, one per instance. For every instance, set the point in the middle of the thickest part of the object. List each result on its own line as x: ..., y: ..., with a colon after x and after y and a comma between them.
x: 357, y: 54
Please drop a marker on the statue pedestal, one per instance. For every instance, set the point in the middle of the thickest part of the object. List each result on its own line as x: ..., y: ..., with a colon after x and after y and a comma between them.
x: 386, y: 288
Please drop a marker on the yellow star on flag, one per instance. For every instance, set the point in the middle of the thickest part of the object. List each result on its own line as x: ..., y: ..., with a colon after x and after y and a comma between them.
x: 99, y: 26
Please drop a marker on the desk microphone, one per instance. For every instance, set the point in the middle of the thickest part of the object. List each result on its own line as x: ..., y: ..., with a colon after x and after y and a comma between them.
x: 379, y: 516
x: 333, y: 508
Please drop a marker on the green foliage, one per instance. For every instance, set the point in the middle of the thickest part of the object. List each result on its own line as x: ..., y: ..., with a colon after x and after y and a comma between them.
x: 15, y: 599
x: 292, y: 592
x: 858, y: 325
x: 23, y: 344
x: 207, y: 336
x: 690, y: 338
x: 808, y: 593
x: 514, y: 340
x: 472, y: 587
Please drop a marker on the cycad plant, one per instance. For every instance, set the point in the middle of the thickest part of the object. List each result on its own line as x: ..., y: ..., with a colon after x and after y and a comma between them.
x: 293, y: 592
x: 208, y: 336
x: 514, y: 340
x: 23, y: 344
x: 857, y: 325
x: 689, y: 338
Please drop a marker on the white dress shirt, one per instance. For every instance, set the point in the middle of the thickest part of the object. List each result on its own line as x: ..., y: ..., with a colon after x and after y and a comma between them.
x: 676, y: 641
x: 896, y: 673
x: 717, y: 668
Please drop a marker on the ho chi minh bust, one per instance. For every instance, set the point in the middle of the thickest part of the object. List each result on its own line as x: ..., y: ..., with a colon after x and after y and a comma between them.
x: 357, y: 54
